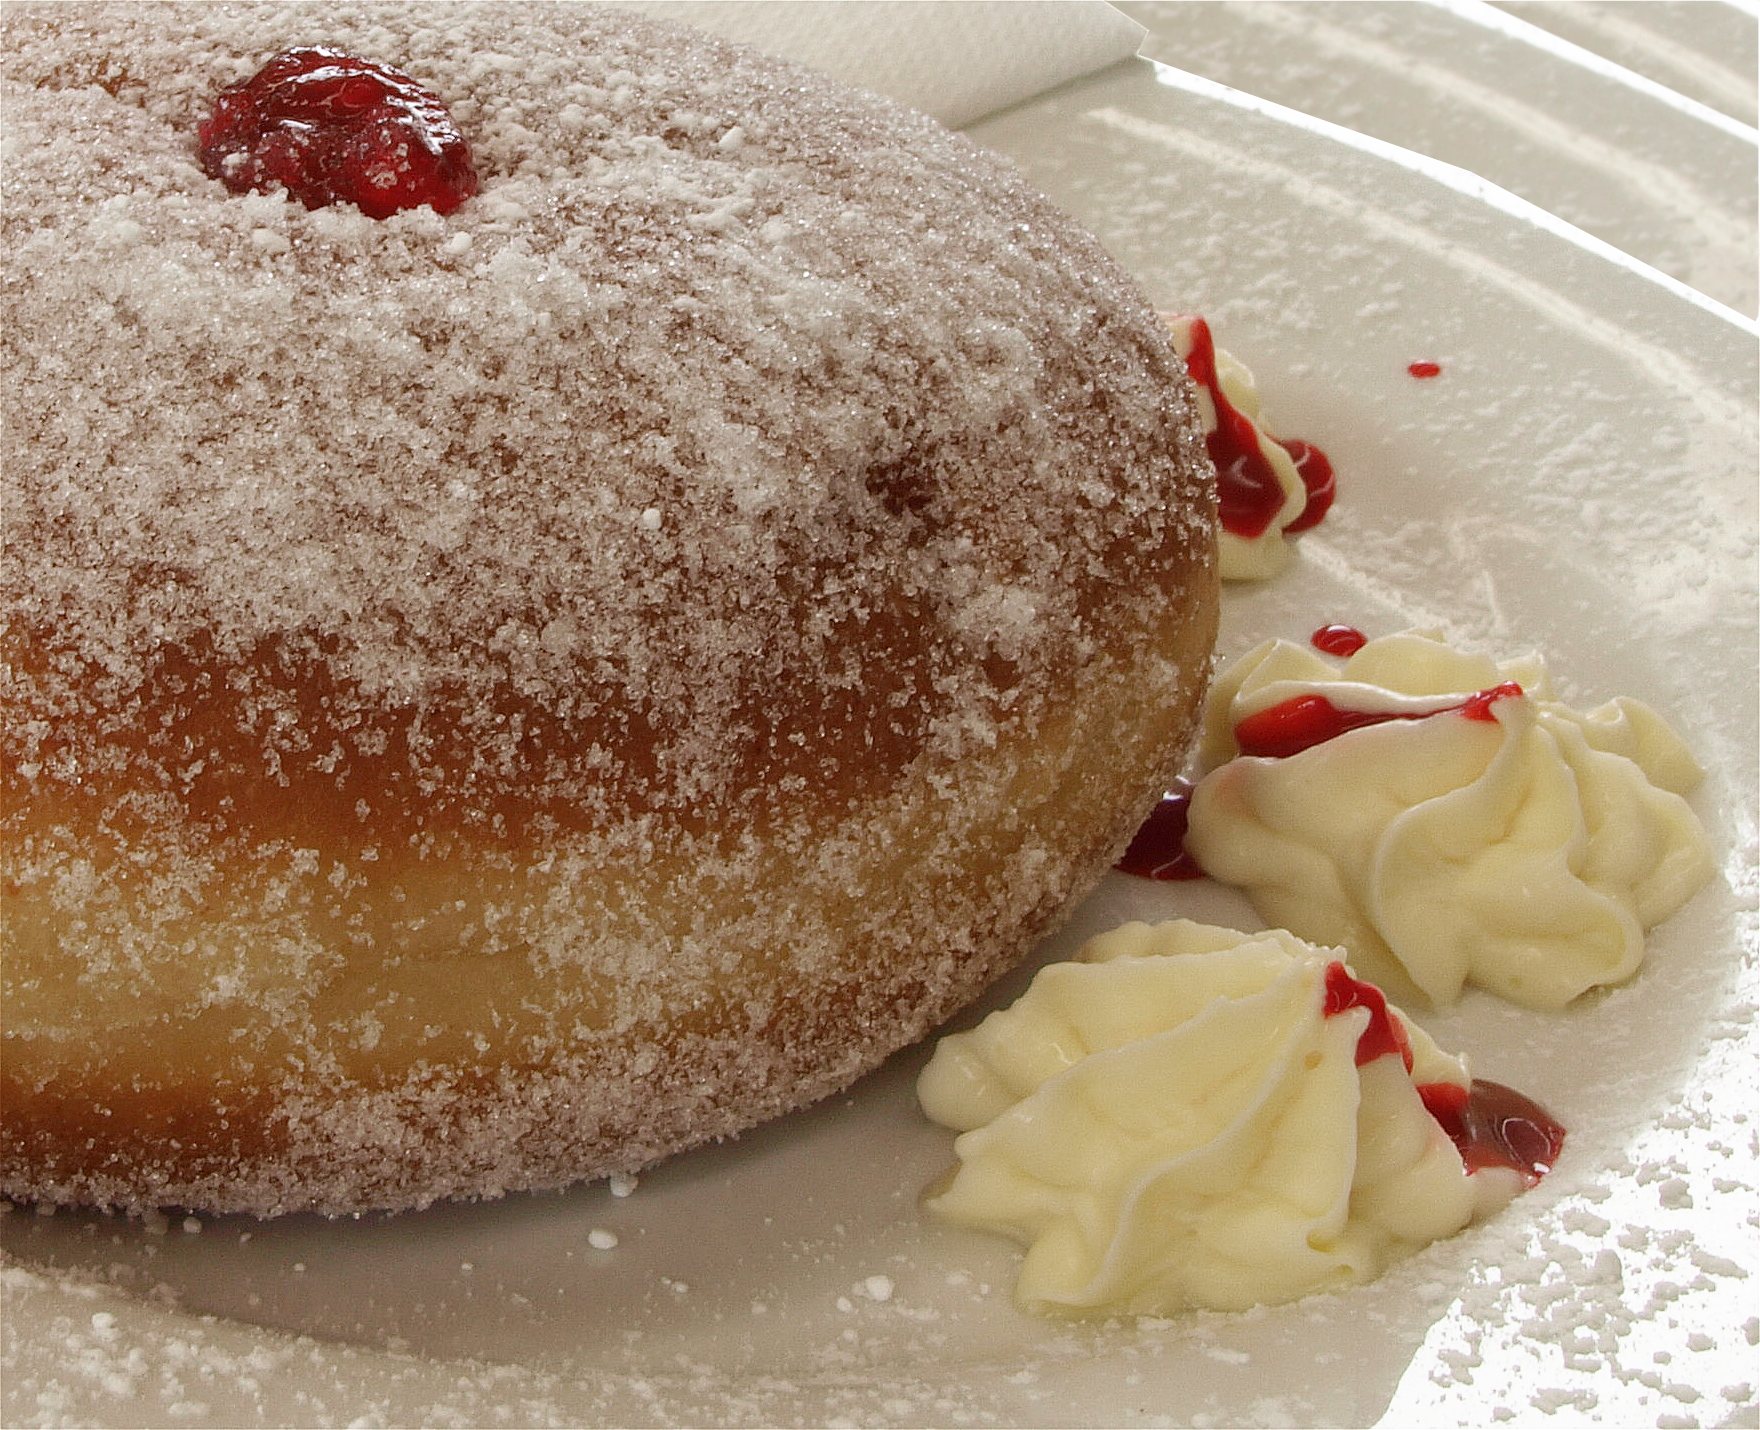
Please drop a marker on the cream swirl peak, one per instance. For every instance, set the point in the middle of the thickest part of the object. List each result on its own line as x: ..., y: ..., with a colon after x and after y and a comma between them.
x: 1188, y: 1116
x: 1445, y: 817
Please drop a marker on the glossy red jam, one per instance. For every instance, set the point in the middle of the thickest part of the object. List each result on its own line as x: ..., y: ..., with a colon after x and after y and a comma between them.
x: 330, y: 128
x: 1304, y: 721
x: 1384, y: 1034
x: 1338, y: 640
x: 1496, y: 1126
x: 1314, y: 467
x: 1159, y: 849
x: 1249, y: 496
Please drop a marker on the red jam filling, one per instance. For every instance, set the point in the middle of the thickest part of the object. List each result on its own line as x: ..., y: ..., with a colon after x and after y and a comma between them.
x: 1384, y: 1034
x: 1159, y: 849
x: 1338, y: 640
x: 1496, y: 1126
x: 1249, y: 495
x: 1300, y: 723
x: 330, y: 128
x: 1424, y: 369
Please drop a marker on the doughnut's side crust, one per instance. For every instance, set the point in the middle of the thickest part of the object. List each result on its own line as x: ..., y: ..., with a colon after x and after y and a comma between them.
x: 175, y: 1113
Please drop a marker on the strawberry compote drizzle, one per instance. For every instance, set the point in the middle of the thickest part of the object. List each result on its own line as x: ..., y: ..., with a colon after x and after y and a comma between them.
x: 1496, y: 1126
x: 1159, y: 849
x: 1249, y: 496
x: 1314, y: 467
x: 1491, y: 1125
x: 1385, y: 1033
x: 1300, y: 723
x: 1338, y: 640
x: 330, y: 128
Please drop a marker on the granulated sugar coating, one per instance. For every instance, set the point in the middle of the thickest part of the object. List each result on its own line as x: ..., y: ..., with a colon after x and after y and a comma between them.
x: 498, y: 698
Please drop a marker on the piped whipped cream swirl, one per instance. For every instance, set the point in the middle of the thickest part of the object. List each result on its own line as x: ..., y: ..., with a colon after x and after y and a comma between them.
x: 1263, y: 492
x: 1454, y: 823
x: 1184, y: 1117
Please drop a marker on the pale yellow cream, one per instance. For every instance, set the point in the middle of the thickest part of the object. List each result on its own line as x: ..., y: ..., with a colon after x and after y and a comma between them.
x: 1171, y: 1122
x: 1526, y: 854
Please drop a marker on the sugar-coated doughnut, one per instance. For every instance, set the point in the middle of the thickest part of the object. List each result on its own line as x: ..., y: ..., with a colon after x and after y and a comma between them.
x: 496, y: 698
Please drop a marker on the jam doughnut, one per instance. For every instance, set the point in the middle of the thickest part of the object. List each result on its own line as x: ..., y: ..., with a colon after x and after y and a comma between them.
x: 496, y: 697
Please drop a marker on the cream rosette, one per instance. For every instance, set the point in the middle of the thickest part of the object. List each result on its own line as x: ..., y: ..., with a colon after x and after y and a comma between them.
x: 1526, y: 852
x: 1173, y: 1121
x: 1246, y: 558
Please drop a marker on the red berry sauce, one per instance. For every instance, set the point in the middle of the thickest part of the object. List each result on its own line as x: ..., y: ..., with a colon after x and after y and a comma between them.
x: 1338, y: 640
x: 1300, y: 723
x: 1248, y: 493
x: 330, y: 128
x: 1159, y: 849
x: 1491, y: 1125
x: 1424, y: 369
x: 1496, y: 1126
x: 1385, y: 1034
x: 1314, y: 467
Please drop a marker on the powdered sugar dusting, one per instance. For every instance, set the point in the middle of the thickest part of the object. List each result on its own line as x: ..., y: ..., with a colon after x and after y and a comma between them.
x: 578, y: 240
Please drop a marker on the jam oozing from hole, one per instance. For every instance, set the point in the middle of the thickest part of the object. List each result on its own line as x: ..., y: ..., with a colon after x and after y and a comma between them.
x: 1496, y: 1126
x: 1159, y: 849
x: 1300, y: 723
x: 330, y: 128
x: 1385, y: 1034
x: 1338, y: 640
x: 1424, y: 369
x: 1249, y: 496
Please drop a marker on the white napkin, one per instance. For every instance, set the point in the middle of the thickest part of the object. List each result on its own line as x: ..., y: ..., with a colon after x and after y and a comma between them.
x: 959, y: 61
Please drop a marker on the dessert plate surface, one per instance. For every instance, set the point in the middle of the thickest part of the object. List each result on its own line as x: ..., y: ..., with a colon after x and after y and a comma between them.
x: 1579, y: 479
x: 1662, y: 176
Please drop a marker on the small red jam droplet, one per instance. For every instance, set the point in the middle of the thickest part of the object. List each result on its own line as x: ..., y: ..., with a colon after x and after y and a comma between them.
x: 1424, y: 369
x: 1385, y: 1033
x: 1249, y: 496
x: 1496, y: 1126
x: 1300, y: 723
x: 1159, y: 849
x: 1338, y: 640
x: 330, y: 128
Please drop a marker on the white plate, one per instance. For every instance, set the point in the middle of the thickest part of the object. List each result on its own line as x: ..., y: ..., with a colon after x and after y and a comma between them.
x: 1704, y: 51
x: 1666, y: 179
x: 1580, y: 478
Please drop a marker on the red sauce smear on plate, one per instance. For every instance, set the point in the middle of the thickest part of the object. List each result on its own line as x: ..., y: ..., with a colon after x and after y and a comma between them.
x: 1496, y: 1126
x: 1248, y: 493
x: 1159, y: 849
x: 1300, y: 723
x: 1424, y: 369
x: 1314, y: 467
